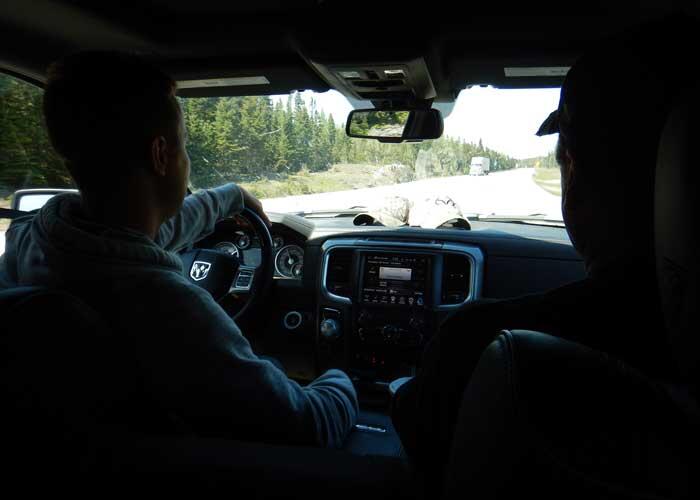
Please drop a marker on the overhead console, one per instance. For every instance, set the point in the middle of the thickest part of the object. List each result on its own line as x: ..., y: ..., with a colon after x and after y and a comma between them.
x: 381, y: 301
x: 404, y: 82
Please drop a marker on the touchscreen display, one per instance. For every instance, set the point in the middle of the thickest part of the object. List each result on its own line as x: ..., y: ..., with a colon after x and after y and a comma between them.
x: 395, y: 273
x: 398, y: 280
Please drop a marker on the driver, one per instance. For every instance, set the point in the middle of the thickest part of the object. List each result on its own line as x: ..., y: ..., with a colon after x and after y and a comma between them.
x: 117, y: 124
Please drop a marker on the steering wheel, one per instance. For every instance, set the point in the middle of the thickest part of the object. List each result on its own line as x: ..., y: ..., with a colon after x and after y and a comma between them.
x: 223, y: 275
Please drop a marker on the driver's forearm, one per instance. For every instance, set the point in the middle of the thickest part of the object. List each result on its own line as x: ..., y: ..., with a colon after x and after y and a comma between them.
x: 198, y: 216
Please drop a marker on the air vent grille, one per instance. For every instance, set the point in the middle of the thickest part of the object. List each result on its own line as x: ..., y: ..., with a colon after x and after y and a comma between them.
x: 456, y: 273
x: 339, y: 275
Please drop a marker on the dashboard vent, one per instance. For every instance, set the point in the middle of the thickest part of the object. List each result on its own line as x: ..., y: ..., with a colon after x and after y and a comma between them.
x: 339, y: 276
x: 456, y: 273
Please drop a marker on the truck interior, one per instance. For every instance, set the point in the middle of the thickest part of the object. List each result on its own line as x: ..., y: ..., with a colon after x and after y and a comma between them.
x: 305, y: 294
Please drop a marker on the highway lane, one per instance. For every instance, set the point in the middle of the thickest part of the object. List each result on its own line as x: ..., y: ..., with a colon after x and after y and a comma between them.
x: 512, y: 192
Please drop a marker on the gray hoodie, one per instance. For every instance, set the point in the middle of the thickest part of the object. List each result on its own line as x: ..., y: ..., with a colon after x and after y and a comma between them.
x: 195, y: 362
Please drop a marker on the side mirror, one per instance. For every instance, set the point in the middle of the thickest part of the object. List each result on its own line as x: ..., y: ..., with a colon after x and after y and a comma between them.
x: 395, y: 125
x: 27, y: 200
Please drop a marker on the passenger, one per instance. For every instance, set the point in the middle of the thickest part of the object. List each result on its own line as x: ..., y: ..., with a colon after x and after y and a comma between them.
x: 611, y: 111
x: 116, y: 123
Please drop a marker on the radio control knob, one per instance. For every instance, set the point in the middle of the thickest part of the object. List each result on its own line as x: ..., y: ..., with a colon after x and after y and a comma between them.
x: 330, y: 329
x: 390, y: 333
x: 416, y: 324
x: 364, y: 318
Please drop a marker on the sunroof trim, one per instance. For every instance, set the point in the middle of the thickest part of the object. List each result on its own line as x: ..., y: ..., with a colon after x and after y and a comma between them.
x: 240, y: 81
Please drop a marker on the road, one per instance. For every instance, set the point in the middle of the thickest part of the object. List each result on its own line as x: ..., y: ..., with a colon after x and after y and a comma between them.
x: 512, y: 192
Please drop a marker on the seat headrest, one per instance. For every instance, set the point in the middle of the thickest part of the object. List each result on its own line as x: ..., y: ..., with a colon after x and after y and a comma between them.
x: 677, y: 208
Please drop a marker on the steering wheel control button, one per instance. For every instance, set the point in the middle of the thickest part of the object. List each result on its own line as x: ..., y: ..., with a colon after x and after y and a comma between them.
x: 244, y: 280
x: 330, y: 329
x: 292, y: 320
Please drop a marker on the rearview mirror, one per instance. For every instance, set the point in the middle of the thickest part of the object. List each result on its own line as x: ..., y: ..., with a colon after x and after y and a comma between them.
x: 395, y: 125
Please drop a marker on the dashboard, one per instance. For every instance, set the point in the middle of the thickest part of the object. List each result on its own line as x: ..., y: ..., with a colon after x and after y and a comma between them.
x: 387, y: 298
x: 236, y: 237
x: 367, y: 299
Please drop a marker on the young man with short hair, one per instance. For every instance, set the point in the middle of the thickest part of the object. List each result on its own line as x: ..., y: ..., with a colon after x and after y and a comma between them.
x: 117, y: 124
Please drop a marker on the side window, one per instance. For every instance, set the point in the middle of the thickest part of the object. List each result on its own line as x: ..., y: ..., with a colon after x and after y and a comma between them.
x: 26, y: 157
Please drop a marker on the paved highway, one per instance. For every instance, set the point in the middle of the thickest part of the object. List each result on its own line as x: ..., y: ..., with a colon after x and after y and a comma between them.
x: 512, y: 192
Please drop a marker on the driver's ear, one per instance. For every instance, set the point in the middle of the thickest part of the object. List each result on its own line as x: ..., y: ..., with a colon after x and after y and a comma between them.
x: 567, y: 169
x: 160, y: 156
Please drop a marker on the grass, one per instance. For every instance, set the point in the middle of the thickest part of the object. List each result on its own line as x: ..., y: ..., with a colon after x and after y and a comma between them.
x: 339, y: 177
x: 548, y: 179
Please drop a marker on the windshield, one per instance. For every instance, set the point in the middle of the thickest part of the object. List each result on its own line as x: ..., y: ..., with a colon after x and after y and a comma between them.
x: 293, y: 153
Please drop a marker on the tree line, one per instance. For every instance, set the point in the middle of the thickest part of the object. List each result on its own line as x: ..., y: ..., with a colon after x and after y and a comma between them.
x: 548, y: 161
x: 242, y: 139
x: 255, y: 138
x: 26, y: 156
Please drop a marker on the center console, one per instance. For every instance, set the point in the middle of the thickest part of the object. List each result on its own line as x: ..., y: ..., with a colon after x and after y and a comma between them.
x: 382, y: 301
x: 392, y: 298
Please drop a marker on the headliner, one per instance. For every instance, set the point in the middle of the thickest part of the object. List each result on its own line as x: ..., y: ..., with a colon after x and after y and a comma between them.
x: 462, y: 44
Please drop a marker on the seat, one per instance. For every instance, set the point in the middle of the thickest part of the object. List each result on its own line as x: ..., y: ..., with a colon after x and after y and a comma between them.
x: 69, y: 423
x: 547, y: 417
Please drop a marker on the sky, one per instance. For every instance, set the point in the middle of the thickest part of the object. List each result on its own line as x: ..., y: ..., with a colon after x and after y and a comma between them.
x: 505, y: 120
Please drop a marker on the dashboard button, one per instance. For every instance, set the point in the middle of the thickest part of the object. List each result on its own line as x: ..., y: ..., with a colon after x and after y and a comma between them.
x: 330, y: 329
x: 292, y: 320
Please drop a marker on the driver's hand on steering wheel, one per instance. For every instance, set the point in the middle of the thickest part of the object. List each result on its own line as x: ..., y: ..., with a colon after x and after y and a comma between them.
x: 251, y: 202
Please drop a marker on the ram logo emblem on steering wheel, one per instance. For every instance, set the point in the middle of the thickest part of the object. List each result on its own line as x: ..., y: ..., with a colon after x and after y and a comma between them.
x: 199, y: 270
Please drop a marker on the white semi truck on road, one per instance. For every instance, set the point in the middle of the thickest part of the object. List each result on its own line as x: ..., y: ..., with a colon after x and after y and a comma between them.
x: 479, y: 165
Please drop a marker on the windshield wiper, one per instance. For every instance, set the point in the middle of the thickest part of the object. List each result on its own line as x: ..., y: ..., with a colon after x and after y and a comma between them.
x: 329, y: 212
x: 533, y: 219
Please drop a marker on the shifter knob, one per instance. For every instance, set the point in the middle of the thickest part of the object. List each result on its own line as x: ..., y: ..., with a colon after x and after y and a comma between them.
x: 330, y: 329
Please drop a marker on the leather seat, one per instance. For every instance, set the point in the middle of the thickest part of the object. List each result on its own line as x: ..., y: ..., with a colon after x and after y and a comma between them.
x: 554, y: 419
x: 69, y: 424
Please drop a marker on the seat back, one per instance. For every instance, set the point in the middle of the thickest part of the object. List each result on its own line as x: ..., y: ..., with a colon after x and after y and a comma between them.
x: 68, y: 393
x: 62, y: 383
x: 559, y: 420
x: 677, y: 206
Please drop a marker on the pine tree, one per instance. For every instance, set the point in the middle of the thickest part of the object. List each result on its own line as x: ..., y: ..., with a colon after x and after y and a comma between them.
x: 227, y: 143
x: 282, y: 148
x: 234, y: 139
x: 26, y: 156
x: 302, y: 132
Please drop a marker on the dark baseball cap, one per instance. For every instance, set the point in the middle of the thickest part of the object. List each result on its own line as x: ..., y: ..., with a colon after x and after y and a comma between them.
x: 586, y: 89
x: 550, y: 125
x: 621, y: 83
